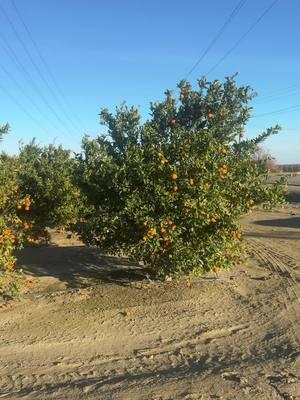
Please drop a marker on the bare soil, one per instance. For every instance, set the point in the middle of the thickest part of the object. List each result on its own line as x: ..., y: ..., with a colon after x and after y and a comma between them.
x: 95, y: 327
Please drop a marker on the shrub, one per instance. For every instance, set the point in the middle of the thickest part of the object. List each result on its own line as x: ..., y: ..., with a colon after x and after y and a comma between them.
x: 170, y: 192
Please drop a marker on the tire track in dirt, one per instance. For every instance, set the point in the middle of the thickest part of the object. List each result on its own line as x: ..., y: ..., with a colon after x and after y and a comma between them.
x: 285, y: 267
x: 277, y: 262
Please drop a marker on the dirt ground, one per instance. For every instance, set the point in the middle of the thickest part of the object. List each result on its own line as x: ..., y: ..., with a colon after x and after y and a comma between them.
x: 94, y: 327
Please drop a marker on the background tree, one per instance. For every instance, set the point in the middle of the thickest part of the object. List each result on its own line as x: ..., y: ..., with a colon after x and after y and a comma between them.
x: 47, y: 175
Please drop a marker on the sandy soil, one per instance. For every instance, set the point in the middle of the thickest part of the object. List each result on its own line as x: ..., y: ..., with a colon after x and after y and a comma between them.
x: 94, y: 327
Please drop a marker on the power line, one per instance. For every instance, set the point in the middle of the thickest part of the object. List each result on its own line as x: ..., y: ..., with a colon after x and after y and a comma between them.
x: 43, y: 61
x: 29, y: 115
x: 27, y: 73
x: 219, y: 33
x: 13, y: 56
x: 21, y: 89
x: 292, y: 89
x: 243, y: 36
x: 282, y: 110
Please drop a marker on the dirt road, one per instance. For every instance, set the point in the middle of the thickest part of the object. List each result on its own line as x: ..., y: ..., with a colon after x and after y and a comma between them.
x: 236, y: 337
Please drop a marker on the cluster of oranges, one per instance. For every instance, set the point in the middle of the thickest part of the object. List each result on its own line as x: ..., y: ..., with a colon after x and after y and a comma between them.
x: 26, y: 203
x: 236, y: 234
x: 223, y: 171
x: 7, y: 235
x: 165, y: 230
x: 150, y: 234
x: 174, y: 178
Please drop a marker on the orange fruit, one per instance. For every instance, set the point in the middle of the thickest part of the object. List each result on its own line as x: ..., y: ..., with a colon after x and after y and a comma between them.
x: 162, y: 230
x: 175, y: 188
x: 210, y: 115
x: 173, y: 122
x: 174, y: 177
x: 19, y: 207
x: 151, y: 232
x: 191, y: 182
x: 27, y: 208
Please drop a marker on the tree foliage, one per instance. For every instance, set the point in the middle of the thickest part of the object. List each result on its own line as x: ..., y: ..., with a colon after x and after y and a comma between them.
x: 47, y: 175
x: 171, y: 191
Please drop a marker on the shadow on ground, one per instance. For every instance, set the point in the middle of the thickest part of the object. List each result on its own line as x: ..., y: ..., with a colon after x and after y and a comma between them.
x: 79, y: 266
x: 293, y: 196
x: 293, y: 222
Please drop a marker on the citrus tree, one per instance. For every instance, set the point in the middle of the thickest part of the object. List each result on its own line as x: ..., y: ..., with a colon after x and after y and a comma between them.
x: 47, y: 175
x: 170, y: 192
x: 14, y: 224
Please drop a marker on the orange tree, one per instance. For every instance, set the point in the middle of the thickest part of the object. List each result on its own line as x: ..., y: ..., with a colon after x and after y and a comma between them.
x: 170, y: 192
x: 14, y: 210
x: 47, y: 175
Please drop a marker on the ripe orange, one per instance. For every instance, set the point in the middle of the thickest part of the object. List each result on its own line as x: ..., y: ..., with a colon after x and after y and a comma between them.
x: 27, y: 208
x: 151, y: 232
x: 175, y: 188
x: 19, y: 207
x: 191, y: 182
x: 162, y: 230
x: 210, y: 116
x: 174, y: 177
x: 173, y: 122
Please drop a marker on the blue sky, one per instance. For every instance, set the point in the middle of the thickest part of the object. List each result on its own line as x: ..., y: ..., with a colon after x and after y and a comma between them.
x: 101, y: 53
